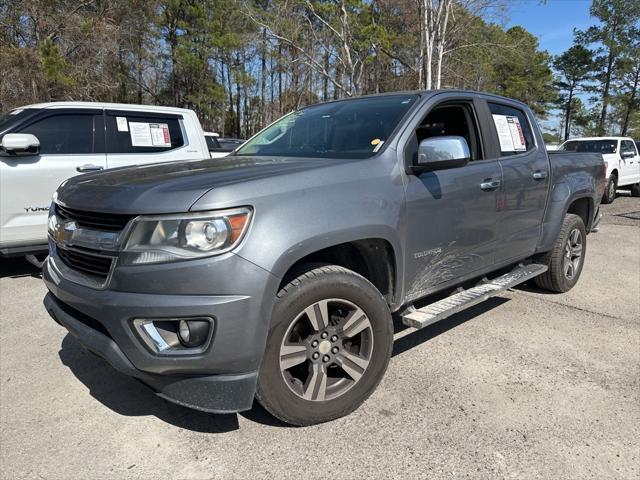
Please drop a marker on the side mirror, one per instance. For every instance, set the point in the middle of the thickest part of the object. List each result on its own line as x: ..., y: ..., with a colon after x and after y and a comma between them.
x: 14, y: 144
x: 437, y: 153
x: 628, y: 154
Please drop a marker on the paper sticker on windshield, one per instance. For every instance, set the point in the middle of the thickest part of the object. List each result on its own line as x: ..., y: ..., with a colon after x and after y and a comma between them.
x: 160, y: 135
x: 122, y: 124
x: 140, y: 134
x: 510, y: 133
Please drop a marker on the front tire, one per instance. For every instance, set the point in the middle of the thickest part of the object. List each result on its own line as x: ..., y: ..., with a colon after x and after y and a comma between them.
x: 635, y: 190
x: 327, y: 349
x: 566, y: 260
x: 610, y: 192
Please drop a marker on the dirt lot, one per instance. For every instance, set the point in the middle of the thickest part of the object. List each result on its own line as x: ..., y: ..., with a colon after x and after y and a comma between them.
x: 527, y: 385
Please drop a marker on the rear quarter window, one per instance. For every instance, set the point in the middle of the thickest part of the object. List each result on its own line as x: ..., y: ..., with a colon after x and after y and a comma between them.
x: 513, y: 129
x: 136, y: 132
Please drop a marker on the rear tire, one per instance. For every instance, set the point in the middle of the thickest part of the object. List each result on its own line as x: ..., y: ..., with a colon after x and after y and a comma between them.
x: 566, y: 259
x: 610, y: 192
x: 635, y: 190
x: 328, y: 346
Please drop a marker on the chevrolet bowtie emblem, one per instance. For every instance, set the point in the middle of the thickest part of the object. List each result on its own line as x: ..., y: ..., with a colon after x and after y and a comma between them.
x: 64, y: 231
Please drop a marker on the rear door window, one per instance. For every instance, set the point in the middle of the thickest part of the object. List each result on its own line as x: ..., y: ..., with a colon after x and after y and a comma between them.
x: 140, y: 132
x: 72, y: 133
x: 512, y: 127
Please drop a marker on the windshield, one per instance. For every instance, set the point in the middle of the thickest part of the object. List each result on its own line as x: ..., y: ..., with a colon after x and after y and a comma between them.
x: 347, y: 129
x: 592, y: 146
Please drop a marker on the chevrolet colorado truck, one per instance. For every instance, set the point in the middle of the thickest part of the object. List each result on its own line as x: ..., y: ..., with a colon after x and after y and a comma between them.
x: 275, y: 273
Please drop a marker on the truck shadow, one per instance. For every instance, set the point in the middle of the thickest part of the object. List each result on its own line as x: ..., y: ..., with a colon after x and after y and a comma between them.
x: 18, y: 267
x: 425, y: 334
x: 126, y: 396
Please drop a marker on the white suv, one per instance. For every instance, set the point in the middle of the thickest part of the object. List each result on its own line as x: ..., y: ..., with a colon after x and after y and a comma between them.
x: 43, y: 145
x: 621, y: 156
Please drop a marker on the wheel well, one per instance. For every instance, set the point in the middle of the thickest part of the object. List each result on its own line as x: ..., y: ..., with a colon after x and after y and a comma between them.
x: 613, y: 172
x: 372, y: 258
x: 582, y: 208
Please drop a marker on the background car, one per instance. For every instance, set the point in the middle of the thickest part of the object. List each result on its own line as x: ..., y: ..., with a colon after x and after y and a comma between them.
x: 43, y: 145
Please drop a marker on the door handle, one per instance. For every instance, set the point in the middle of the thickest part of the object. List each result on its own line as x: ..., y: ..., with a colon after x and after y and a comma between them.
x: 539, y: 175
x: 490, y: 184
x: 89, y: 168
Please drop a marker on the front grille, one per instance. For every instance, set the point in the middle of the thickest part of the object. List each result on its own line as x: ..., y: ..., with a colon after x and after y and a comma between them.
x: 99, y: 221
x: 86, y: 261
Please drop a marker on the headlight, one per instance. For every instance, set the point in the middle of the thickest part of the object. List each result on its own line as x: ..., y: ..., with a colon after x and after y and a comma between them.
x: 168, y: 238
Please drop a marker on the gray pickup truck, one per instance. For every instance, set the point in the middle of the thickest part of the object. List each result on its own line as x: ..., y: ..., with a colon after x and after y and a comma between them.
x: 276, y: 273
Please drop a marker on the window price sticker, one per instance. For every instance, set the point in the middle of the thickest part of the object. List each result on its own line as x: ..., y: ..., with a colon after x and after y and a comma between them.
x: 149, y: 134
x: 510, y: 133
x: 160, y: 135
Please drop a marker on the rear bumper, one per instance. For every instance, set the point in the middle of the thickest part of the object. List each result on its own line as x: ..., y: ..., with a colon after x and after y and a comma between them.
x: 209, y: 393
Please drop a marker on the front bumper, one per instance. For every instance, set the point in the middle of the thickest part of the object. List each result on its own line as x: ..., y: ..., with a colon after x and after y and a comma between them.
x: 220, y: 379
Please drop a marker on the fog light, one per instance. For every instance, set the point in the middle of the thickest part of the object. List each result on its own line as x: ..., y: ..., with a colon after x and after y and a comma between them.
x: 184, y: 332
x: 193, y: 333
x: 175, y: 336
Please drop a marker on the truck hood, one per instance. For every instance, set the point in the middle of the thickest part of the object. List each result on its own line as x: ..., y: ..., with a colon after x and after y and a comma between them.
x: 171, y: 187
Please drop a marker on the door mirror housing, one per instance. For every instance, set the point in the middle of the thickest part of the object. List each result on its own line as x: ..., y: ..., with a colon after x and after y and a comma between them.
x: 628, y: 154
x: 14, y: 144
x: 437, y: 153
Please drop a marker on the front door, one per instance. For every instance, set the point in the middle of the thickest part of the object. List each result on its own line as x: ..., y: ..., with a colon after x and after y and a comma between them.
x: 451, y: 213
x: 70, y: 143
x: 629, y: 163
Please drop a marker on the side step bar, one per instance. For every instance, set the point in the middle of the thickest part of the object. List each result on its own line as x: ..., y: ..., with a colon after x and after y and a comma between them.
x: 468, y: 298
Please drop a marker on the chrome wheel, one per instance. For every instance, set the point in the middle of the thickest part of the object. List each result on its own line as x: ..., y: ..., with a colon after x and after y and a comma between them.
x: 572, y: 254
x: 326, y: 349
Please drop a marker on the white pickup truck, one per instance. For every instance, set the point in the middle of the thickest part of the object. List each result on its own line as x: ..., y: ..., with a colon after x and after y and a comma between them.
x: 621, y: 157
x: 43, y: 145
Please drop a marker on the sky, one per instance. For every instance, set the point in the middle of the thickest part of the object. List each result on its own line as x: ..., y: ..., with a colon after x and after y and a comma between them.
x: 552, y: 22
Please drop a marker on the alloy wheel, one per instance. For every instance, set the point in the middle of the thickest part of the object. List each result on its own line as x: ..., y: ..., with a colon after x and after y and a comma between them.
x: 326, y: 349
x: 572, y: 254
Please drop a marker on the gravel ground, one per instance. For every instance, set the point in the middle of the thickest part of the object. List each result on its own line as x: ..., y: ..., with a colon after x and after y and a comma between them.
x: 526, y: 385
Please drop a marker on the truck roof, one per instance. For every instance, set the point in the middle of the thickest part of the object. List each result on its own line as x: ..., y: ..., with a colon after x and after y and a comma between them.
x: 428, y: 92
x: 115, y: 106
x: 579, y: 139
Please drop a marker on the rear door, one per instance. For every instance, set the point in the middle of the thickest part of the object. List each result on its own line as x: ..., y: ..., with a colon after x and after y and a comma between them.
x: 629, y: 163
x: 525, y: 173
x: 135, y: 138
x: 71, y: 142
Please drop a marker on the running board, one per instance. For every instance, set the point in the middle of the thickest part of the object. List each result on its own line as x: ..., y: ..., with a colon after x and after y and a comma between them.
x: 473, y: 296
